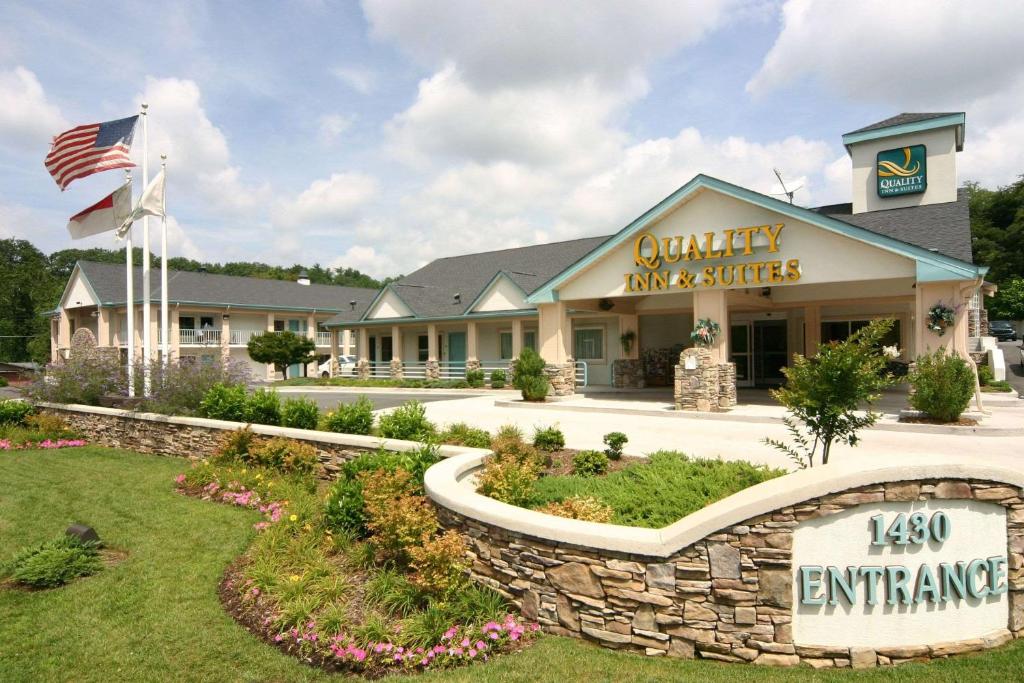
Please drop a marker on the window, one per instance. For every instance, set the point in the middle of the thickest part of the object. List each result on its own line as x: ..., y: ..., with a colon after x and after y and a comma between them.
x: 422, y: 350
x: 589, y: 343
x: 278, y: 326
x: 205, y: 322
x: 373, y: 350
x: 186, y: 322
x: 530, y: 340
x: 386, y: 353
x: 838, y: 330
x: 505, y: 345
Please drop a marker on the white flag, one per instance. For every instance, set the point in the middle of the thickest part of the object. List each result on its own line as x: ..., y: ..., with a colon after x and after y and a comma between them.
x: 107, y: 214
x: 151, y: 203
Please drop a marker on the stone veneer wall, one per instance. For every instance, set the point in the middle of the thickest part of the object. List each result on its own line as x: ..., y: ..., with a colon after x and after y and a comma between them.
x: 628, y: 373
x: 727, y: 597
x: 708, y: 386
x: 160, y: 437
x: 562, y: 378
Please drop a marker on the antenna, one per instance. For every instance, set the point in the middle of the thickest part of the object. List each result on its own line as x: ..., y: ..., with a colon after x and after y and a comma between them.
x: 785, y: 191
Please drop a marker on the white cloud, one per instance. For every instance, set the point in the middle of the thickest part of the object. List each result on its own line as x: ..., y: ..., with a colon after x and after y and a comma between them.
x: 333, y: 125
x: 329, y: 202
x: 519, y: 42
x: 360, y: 78
x: 199, y: 158
x: 368, y: 260
x: 28, y: 121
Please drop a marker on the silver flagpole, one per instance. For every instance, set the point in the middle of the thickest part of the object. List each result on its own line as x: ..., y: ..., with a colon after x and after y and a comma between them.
x: 147, y: 332
x: 164, y: 328
x: 130, y: 300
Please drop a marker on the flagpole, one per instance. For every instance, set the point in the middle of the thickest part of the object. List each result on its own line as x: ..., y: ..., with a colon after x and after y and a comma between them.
x: 130, y: 300
x: 147, y: 332
x: 164, y: 328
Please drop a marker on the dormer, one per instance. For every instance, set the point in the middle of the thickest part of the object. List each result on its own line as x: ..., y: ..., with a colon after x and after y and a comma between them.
x: 906, y: 160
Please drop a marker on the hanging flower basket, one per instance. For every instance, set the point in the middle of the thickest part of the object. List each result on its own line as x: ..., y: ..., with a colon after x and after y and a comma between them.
x: 705, y: 332
x: 940, y: 317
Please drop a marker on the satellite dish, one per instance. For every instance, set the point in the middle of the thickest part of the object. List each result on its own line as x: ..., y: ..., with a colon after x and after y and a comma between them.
x: 785, y: 191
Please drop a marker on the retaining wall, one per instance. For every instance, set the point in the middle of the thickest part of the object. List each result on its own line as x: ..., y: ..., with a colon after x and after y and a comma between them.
x: 720, y: 584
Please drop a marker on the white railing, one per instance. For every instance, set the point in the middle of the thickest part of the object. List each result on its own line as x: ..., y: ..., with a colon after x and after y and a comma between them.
x: 199, y: 337
x: 581, y: 373
x: 380, y: 369
x: 323, y: 338
x: 242, y: 337
x: 451, y: 369
x: 414, y: 370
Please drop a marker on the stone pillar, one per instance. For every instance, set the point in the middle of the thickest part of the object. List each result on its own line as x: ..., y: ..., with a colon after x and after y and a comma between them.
x: 627, y: 373
x: 363, y: 369
x: 712, y: 303
x: 699, y: 382
x: 433, y: 366
x: 472, y: 364
x: 812, y: 329
x: 554, y: 336
x: 562, y: 378
x: 517, y: 337
x: 270, y: 330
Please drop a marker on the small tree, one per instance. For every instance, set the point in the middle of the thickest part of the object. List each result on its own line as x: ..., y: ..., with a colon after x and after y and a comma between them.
x: 281, y: 349
x: 528, y: 376
x: 825, y: 394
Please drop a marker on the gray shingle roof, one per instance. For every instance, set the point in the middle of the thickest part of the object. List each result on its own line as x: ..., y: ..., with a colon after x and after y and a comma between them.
x: 900, y: 119
x: 944, y: 228
x: 430, y: 291
x: 108, y: 281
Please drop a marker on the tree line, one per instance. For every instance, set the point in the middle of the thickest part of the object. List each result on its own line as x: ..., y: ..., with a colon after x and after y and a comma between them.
x: 32, y: 282
x: 997, y: 240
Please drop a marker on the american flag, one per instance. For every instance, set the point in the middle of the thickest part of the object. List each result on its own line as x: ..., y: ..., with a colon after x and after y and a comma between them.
x: 89, y: 149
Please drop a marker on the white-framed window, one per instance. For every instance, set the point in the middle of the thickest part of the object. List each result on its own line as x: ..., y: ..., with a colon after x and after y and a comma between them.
x: 422, y: 348
x: 588, y: 343
x: 505, y: 344
x: 530, y: 339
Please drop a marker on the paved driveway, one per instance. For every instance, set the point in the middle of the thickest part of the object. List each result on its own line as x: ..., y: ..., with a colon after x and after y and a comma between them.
x: 380, y: 400
x: 1014, y: 371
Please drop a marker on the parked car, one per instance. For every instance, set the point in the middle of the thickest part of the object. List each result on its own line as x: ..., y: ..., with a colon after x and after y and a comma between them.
x: 346, y: 366
x: 1003, y: 330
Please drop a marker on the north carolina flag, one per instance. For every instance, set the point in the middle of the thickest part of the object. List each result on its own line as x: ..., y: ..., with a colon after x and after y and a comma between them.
x: 107, y: 214
x: 89, y: 149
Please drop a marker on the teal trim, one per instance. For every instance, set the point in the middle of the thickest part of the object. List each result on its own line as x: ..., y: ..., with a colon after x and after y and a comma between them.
x: 916, y: 127
x: 88, y: 285
x: 932, y: 272
x: 386, y: 322
x: 964, y: 271
x: 490, y: 283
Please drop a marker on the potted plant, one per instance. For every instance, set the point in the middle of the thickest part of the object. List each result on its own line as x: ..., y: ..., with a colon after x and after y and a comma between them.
x: 705, y: 332
x: 627, y: 338
x: 940, y: 317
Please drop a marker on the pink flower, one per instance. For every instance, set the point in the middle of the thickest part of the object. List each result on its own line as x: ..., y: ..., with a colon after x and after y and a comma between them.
x: 180, y: 479
x: 472, y: 653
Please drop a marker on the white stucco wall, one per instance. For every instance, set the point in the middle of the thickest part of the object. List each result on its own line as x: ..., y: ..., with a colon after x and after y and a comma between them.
x: 841, y: 540
x: 78, y: 294
x: 825, y: 257
x: 940, y: 167
x: 503, y: 295
x: 389, y: 306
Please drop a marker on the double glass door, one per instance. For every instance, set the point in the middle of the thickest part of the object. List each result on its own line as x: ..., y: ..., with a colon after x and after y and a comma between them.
x: 759, y: 350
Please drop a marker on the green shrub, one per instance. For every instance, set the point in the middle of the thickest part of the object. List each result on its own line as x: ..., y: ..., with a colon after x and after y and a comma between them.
x: 534, y: 388
x: 614, y: 441
x: 345, y: 509
x: 178, y: 387
x: 236, y: 444
x: 461, y: 434
x: 656, y: 493
x: 440, y: 564
x: 508, y: 480
x: 510, y: 432
x: 548, y: 439
x: 3, y: 382
x: 589, y: 463
x: 408, y: 421
x: 475, y: 378
x: 943, y: 385
x: 498, y: 379
x: 54, y: 562
x: 48, y: 426
x: 586, y: 508
x: 224, y: 402
x: 300, y: 413
x: 86, y: 377
x: 528, y: 376
x: 263, y: 407
x: 284, y: 455
x: 349, y: 418
x: 13, y: 412
x: 985, y: 375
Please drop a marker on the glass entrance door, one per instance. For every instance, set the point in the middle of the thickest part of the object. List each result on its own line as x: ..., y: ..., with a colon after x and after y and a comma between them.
x: 740, y: 352
x: 770, y: 352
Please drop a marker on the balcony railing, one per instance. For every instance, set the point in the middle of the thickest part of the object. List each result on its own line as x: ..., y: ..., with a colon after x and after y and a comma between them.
x: 212, y: 337
x: 199, y: 337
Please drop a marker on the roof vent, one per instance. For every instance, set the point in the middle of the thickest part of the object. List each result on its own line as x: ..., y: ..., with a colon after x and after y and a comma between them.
x: 352, y: 304
x: 457, y: 297
x: 303, y: 278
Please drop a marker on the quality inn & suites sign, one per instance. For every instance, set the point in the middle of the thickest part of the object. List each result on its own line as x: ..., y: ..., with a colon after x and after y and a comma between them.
x: 695, y: 261
x: 902, y: 171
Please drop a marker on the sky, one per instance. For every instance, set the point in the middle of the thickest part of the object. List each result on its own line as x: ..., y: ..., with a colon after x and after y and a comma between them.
x: 383, y: 134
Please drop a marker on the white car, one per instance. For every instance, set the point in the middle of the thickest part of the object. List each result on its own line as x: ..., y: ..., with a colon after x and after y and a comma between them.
x: 346, y: 367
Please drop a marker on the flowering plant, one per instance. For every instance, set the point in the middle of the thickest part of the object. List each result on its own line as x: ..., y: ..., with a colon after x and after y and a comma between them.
x: 940, y: 316
x: 705, y: 332
x: 6, y: 445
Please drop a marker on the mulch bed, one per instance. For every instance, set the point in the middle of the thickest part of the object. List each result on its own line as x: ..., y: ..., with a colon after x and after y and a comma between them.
x: 561, y: 463
x: 962, y: 422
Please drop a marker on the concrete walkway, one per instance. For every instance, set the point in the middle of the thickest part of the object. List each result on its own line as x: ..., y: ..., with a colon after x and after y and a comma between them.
x: 723, y: 438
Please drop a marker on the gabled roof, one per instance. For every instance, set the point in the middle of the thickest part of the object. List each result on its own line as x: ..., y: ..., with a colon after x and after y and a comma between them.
x: 906, y: 123
x: 107, y: 281
x: 931, y: 265
x: 944, y: 228
x: 430, y: 291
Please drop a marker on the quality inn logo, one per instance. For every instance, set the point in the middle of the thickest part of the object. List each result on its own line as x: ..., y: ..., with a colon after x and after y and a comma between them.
x: 902, y: 171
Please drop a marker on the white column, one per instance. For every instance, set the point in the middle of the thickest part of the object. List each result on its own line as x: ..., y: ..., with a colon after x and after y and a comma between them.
x: 812, y: 329
x: 472, y: 352
x: 364, y: 344
x: 270, y: 330
x: 517, y: 337
x: 396, y: 342
x: 554, y: 333
x: 346, y: 342
x: 713, y: 304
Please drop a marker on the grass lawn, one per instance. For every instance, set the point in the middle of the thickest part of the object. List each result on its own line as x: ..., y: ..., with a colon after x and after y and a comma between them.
x: 156, y: 615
